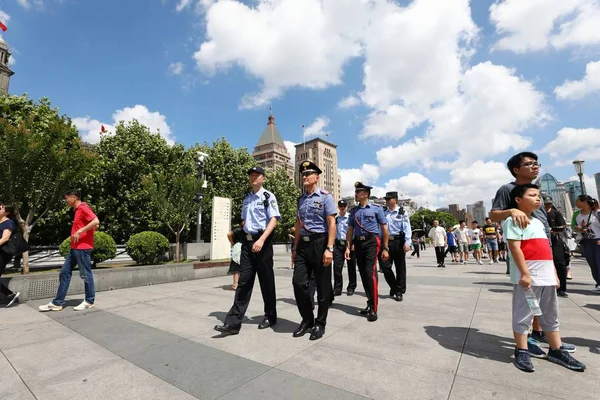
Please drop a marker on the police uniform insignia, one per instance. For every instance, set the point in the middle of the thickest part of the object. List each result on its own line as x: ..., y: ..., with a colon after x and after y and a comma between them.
x: 323, y: 191
x: 356, y: 184
x: 305, y: 164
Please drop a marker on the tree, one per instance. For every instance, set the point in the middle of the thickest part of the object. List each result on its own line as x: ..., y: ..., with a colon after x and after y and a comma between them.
x: 41, y: 156
x: 287, y: 198
x: 445, y: 219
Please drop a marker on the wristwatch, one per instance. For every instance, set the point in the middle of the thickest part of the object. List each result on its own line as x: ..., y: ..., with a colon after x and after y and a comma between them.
x: 386, y: 248
x: 330, y: 249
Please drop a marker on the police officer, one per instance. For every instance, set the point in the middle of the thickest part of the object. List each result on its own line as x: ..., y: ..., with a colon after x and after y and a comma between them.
x: 366, y: 222
x: 399, y: 239
x: 313, y: 254
x: 260, y: 214
x: 341, y: 224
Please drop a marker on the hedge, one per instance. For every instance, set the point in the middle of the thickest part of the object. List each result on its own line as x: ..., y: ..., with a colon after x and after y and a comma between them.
x: 105, y: 248
x: 147, y: 247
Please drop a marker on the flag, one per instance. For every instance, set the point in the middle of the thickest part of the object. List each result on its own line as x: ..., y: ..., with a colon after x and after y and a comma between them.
x: 3, y: 27
x: 102, y: 129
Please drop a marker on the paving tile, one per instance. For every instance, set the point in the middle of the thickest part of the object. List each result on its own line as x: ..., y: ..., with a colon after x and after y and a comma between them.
x: 30, y: 333
x: 469, y: 389
x: 11, y: 385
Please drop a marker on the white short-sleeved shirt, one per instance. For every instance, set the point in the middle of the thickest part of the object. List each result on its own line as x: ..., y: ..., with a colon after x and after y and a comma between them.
x: 475, y: 234
x: 461, y: 235
x: 536, y: 249
x: 594, y: 222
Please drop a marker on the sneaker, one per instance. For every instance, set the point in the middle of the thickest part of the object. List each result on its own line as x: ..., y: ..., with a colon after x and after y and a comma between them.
x: 522, y: 361
x: 50, y: 307
x: 491, y: 262
x: 596, y: 289
x: 12, y: 298
x: 563, y: 358
x: 83, y: 306
x: 562, y: 294
x: 480, y: 262
x: 569, y: 348
x: 534, y: 349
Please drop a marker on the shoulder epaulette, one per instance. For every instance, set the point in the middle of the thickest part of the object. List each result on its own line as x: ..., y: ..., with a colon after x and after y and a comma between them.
x: 323, y: 191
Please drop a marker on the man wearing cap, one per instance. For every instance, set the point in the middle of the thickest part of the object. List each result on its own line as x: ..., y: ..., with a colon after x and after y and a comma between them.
x: 260, y: 214
x: 341, y: 224
x: 400, y: 235
x: 560, y: 253
x: 366, y: 223
x: 313, y: 251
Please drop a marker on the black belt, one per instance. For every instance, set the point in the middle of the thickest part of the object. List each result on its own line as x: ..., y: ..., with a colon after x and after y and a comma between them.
x: 362, y: 238
x: 312, y: 237
x: 340, y: 242
x: 396, y: 237
x: 252, y: 237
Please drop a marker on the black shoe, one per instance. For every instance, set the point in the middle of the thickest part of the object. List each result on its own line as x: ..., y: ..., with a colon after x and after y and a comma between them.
x: 350, y: 292
x: 267, y: 322
x: 562, y: 294
x: 303, y: 329
x: 12, y: 299
x: 365, y: 311
x: 397, y: 297
x: 563, y: 358
x: 227, y: 329
x: 337, y: 293
x: 443, y: 265
x: 439, y: 265
x: 372, y: 316
x: 523, y: 361
x: 317, y: 332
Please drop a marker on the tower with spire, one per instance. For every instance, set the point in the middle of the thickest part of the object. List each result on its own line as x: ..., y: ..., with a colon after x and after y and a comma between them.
x: 5, y: 71
x: 270, y: 151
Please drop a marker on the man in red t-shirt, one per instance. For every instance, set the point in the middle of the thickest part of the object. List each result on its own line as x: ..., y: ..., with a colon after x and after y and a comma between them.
x: 82, y: 245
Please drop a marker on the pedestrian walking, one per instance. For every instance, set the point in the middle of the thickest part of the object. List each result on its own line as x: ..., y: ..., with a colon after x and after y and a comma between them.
x: 416, y: 246
x: 588, y: 225
x: 437, y: 234
x: 451, y: 241
x: 560, y: 252
x: 84, y: 225
x: 315, y: 236
x: 422, y: 243
x: 490, y: 239
x: 399, y: 231
x: 8, y: 225
x: 367, y: 221
x: 260, y: 214
x: 464, y: 241
x: 341, y: 224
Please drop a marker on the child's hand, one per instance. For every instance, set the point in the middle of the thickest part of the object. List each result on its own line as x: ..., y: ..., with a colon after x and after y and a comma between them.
x: 525, y: 281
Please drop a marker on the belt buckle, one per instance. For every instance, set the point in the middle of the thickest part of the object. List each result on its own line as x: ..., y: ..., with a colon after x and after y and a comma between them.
x: 362, y: 238
x: 391, y: 237
x: 249, y: 237
x: 342, y: 242
x: 306, y: 238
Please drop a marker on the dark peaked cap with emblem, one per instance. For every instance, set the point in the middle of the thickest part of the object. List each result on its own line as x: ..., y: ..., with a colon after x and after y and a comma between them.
x: 342, y: 203
x: 258, y: 170
x: 309, y: 166
x: 358, y: 186
x: 391, y: 195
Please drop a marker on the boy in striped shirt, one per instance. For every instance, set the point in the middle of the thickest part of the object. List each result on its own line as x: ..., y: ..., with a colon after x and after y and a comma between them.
x: 532, y: 269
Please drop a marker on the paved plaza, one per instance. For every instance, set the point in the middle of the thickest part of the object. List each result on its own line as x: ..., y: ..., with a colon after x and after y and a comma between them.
x: 449, y: 339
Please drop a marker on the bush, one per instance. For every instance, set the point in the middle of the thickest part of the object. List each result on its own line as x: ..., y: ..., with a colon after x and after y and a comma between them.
x: 105, y: 248
x: 147, y: 247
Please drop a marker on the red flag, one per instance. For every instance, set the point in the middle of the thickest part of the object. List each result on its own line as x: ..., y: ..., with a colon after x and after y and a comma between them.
x: 3, y: 27
x: 102, y: 129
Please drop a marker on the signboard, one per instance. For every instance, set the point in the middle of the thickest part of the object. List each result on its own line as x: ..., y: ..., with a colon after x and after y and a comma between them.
x: 220, y: 226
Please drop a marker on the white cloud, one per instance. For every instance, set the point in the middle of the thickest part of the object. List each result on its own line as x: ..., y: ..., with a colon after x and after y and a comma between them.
x: 317, y: 127
x: 89, y: 129
x: 349, y: 102
x: 176, y: 68
x: 291, y: 149
x: 201, y: 5
x: 4, y: 17
x: 574, y: 90
x: 283, y: 43
x: 569, y: 140
x: 391, y: 123
x: 537, y: 24
x: 486, y: 117
x: 27, y: 4
x: 367, y: 174
x: 182, y: 4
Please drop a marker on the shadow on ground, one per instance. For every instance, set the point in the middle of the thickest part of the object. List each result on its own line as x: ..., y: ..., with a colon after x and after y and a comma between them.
x: 498, y: 348
x: 282, y: 325
x: 593, y: 345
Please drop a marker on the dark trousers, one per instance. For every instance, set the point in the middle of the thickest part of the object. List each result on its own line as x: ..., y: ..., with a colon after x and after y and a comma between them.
x: 309, y: 261
x: 439, y: 254
x: 4, y: 260
x: 366, y: 258
x: 252, y: 264
x: 423, y: 246
x: 416, y: 250
x: 338, y: 265
x: 397, y: 258
x: 591, y: 251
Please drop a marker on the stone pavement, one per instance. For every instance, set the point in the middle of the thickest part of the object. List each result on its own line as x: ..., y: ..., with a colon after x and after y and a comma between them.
x: 449, y: 339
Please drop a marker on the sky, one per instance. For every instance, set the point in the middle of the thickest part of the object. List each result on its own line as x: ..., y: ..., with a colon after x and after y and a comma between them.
x: 426, y: 97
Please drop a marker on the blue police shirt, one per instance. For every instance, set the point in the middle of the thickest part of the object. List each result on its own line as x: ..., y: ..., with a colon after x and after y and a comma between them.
x: 258, y: 209
x: 313, y: 210
x: 398, y: 223
x: 369, y: 218
x: 341, y: 227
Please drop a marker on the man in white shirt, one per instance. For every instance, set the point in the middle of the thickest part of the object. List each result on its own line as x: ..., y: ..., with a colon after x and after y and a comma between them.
x: 475, y: 234
x: 439, y: 239
x: 464, y: 240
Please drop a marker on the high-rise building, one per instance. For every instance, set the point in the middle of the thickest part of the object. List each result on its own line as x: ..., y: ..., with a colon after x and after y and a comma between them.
x: 550, y: 186
x: 270, y: 151
x: 5, y: 71
x: 597, y: 179
x: 479, y: 212
x: 470, y: 208
x: 324, y: 154
x: 573, y: 189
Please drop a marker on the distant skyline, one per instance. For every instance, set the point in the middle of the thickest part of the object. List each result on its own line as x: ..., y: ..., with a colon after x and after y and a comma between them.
x: 434, y: 116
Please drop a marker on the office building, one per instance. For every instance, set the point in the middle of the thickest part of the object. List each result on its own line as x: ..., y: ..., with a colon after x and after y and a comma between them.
x: 270, y: 151
x: 324, y: 154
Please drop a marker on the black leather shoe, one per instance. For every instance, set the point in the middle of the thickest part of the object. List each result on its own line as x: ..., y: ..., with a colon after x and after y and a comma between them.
x: 350, y: 292
x: 303, y: 329
x: 365, y: 311
x: 372, y: 316
x: 227, y: 329
x: 337, y: 293
x: 267, y: 322
x: 397, y: 297
x: 317, y: 332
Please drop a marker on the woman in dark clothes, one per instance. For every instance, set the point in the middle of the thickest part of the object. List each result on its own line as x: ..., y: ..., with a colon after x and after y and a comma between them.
x: 235, y: 236
x: 8, y: 224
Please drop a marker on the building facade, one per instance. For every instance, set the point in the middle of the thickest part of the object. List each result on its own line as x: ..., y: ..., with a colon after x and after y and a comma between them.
x: 597, y: 180
x: 270, y: 152
x: 550, y: 186
x: 324, y: 154
x: 5, y: 71
x: 573, y: 189
x: 479, y: 212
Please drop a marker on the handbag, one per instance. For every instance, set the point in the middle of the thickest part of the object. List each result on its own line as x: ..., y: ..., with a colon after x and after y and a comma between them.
x: 15, y: 245
x: 588, y: 234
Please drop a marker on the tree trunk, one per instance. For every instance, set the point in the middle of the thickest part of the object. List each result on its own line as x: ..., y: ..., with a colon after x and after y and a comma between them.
x: 177, y: 235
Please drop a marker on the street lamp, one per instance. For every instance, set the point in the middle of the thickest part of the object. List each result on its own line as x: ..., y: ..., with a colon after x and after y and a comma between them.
x: 579, y: 171
x: 201, y: 157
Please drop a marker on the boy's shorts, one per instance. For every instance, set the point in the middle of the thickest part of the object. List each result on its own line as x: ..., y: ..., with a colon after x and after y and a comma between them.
x: 452, y: 249
x: 463, y: 247
x: 522, y: 315
x: 492, y: 244
x: 476, y: 246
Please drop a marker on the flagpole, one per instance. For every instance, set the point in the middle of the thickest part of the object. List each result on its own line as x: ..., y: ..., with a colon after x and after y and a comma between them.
x: 304, y: 136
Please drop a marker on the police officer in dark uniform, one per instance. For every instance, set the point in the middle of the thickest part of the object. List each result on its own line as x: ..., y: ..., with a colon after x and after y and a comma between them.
x: 399, y: 239
x: 341, y: 224
x: 315, y: 235
x: 260, y: 214
x: 366, y: 222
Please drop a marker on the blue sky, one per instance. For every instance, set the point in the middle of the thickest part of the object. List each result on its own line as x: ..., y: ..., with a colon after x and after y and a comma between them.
x: 439, y: 93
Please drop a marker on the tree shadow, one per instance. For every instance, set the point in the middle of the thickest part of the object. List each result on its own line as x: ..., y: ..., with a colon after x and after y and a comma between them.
x: 494, y: 283
x: 469, y: 341
x: 593, y: 345
x: 593, y: 306
x: 500, y: 290
x: 585, y: 292
x: 282, y: 326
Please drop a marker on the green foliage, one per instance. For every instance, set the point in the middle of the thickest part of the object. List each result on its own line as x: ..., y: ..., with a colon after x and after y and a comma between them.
x: 287, y: 195
x: 445, y: 219
x: 147, y: 247
x: 105, y: 248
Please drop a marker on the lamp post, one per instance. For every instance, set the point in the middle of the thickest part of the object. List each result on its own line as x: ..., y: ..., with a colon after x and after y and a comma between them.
x: 579, y: 171
x: 201, y: 157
